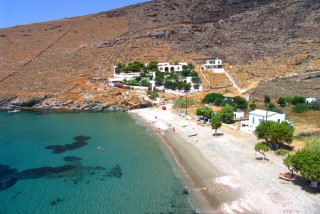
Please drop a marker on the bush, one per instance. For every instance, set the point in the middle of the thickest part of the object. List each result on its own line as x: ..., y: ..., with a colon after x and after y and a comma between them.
x: 282, y: 152
x: 274, y: 108
x: 212, y: 97
x: 267, y: 99
x: 288, y: 99
x: 182, y: 103
x: 315, y: 106
x: 298, y: 99
x: 301, y: 108
x: 152, y: 95
x: 253, y: 105
x: 240, y: 102
x: 282, y: 102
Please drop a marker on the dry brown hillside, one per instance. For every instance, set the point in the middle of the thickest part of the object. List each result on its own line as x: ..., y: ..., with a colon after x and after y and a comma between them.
x: 259, y: 40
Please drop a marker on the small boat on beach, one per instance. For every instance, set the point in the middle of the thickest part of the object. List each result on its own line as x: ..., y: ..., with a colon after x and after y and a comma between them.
x: 14, y: 111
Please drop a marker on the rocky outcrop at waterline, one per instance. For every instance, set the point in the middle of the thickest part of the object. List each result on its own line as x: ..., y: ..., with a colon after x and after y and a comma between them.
x: 118, y: 102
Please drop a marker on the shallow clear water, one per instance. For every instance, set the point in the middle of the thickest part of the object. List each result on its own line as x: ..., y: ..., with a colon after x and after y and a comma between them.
x: 132, y: 176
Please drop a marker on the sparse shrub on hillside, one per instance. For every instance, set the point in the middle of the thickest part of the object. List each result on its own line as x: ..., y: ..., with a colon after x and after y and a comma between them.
x: 152, y: 95
x: 267, y: 99
x: 282, y: 102
x: 183, y: 102
x: 252, y: 105
x: 274, y: 108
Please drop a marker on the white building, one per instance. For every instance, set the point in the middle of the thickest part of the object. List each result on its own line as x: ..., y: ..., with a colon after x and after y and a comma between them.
x: 167, y: 67
x: 311, y: 100
x: 214, y: 65
x: 258, y: 116
x: 238, y: 115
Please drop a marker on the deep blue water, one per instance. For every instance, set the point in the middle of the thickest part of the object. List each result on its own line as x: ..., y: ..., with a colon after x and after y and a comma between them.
x: 133, y: 175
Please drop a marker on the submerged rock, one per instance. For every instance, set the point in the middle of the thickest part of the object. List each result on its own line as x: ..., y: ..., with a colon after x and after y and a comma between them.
x: 72, y: 159
x: 81, y: 141
x: 81, y: 138
x: 63, y: 148
x: 44, y: 171
x: 115, y: 172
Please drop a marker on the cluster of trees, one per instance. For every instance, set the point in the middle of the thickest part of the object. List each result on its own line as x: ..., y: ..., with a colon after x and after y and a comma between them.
x: 298, y: 102
x: 219, y: 100
x: 270, y: 106
x: 306, y: 161
x: 136, y: 66
x: 275, y: 134
x: 225, y: 115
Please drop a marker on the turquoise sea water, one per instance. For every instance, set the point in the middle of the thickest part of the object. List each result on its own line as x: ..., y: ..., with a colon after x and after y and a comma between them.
x: 133, y: 175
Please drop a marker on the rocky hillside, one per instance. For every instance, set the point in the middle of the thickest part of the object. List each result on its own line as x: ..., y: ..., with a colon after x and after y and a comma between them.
x: 48, y: 65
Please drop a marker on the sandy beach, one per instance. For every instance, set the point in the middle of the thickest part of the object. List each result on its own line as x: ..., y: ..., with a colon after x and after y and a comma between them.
x: 224, y: 174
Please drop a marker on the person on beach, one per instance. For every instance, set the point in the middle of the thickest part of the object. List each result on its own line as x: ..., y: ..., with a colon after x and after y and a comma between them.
x: 173, y: 129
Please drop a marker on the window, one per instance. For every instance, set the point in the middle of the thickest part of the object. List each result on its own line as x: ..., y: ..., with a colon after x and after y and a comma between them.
x: 278, y: 120
x: 252, y: 120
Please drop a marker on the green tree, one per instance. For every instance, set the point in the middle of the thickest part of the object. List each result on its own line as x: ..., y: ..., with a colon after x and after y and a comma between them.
x: 153, y: 65
x: 282, y: 102
x: 191, y: 66
x: 204, y: 111
x: 226, y: 114
x: 212, y: 97
x: 253, y: 105
x: 288, y: 161
x: 120, y: 65
x: 261, y: 148
x: 240, y: 102
x: 185, y: 67
x: 215, y: 123
x: 306, y: 162
x: 276, y: 134
x: 267, y: 99
x: 262, y: 131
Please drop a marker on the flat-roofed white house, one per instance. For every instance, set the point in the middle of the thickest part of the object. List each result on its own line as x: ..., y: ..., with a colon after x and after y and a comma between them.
x: 167, y: 67
x: 214, y: 65
x: 258, y: 116
x: 311, y: 100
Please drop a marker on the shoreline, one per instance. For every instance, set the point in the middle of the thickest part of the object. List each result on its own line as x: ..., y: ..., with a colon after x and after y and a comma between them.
x: 224, y: 174
x: 194, y: 169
